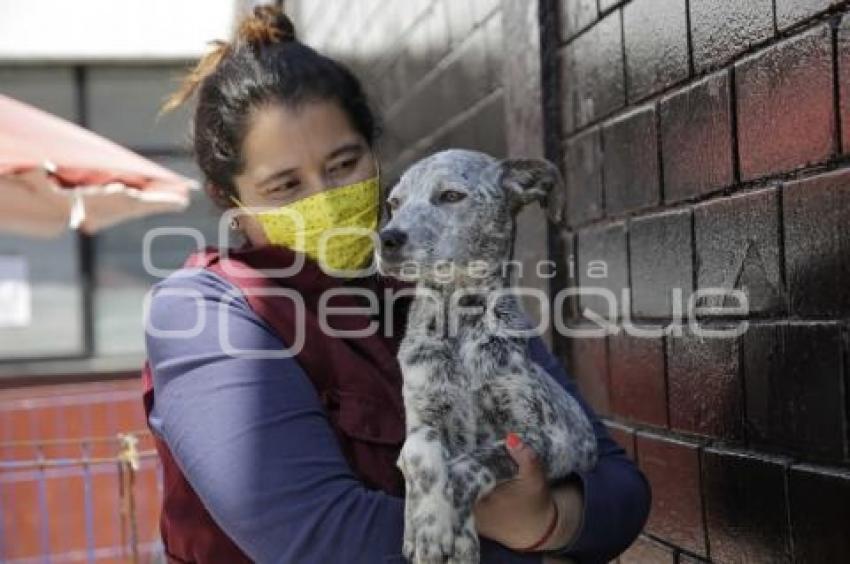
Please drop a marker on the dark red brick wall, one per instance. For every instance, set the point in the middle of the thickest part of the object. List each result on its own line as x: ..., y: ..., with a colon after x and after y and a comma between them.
x: 704, y: 143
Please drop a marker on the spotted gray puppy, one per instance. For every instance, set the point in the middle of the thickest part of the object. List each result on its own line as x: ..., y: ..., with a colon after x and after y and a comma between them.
x: 468, y: 380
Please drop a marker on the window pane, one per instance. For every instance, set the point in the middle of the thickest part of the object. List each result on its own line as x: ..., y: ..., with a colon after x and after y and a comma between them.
x: 51, y: 271
x: 49, y: 88
x: 123, y: 102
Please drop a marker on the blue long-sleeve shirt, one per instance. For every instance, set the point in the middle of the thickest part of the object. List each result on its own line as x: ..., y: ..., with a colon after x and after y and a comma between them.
x: 254, y: 441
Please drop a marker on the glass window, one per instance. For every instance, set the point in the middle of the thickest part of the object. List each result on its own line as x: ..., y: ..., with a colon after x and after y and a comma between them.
x: 122, y: 104
x: 50, y: 269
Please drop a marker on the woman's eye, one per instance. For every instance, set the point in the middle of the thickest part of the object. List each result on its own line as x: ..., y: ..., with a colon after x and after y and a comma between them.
x: 287, y: 186
x: 449, y: 196
x: 344, y: 166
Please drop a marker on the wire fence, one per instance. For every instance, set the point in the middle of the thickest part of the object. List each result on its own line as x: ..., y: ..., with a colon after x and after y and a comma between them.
x: 39, y: 533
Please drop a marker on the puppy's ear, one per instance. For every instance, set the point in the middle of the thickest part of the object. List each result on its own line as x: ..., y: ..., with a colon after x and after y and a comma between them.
x: 530, y: 180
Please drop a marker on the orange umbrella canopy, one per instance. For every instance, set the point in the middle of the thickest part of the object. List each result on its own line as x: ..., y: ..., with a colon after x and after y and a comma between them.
x: 54, y: 173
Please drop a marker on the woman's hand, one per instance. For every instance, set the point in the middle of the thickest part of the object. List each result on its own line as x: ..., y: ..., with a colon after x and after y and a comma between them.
x: 518, y: 512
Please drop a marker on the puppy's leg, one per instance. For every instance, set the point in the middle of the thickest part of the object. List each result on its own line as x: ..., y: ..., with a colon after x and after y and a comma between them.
x: 472, y: 476
x: 553, y: 423
x: 428, y: 530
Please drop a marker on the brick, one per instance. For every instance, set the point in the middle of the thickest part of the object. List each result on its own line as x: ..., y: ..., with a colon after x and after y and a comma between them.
x: 602, y: 263
x: 638, y: 389
x: 488, y: 124
x: 696, y: 139
x: 437, y: 33
x: 738, y: 248
x: 148, y: 507
x: 672, y: 468
x: 575, y: 16
x: 688, y: 559
x: 462, y: 83
x: 66, y: 531
x: 583, y: 167
x: 660, y: 261
x: 704, y: 380
x: 566, y: 273
x: 623, y: 436
x: 656, y: 35
x: 745, y: 506
x: 790, y: 12
x: 483, y: 8
x: 843, y: 54
x: 105, y: 500
x: 785, y: 105
x: 816, y: 215
x: 588, y: 361
x: 522, y: 78
x: 721, y: 29
x: 631, y: 161
x: 19, y: 515
x: 605, y: 5
x: 460, y: 17
x: 592, y: 82
x: 820, y: 512
x: 794, y: 390
x: 532, y: 251
x: 648, y: 551
x: 494, y: 50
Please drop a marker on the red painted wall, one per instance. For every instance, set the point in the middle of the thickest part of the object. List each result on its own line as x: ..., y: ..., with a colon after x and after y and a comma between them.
x: 72, y: 510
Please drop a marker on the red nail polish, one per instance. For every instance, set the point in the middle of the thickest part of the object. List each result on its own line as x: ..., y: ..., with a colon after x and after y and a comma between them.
x: 512, y: 440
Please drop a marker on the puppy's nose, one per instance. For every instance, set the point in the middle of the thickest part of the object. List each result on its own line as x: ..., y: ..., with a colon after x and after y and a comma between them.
x: 392, y: 240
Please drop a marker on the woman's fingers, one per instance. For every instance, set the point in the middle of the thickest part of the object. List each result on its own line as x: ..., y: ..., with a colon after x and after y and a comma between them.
x: 527, y: 460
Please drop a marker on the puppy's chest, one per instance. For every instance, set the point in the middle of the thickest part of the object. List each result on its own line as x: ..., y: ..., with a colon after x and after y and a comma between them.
x: 434, y: 363
x: 462, y: 359
x: 451, y: 374
x: 445, y: 387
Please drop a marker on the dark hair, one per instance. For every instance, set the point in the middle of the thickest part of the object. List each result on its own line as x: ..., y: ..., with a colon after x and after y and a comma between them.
x: 264, y: 63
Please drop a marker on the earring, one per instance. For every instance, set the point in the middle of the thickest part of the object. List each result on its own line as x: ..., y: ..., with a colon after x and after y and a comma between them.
x: 234, y: 223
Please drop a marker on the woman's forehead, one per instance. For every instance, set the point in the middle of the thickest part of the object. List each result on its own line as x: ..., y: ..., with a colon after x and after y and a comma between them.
x: 286, y: 136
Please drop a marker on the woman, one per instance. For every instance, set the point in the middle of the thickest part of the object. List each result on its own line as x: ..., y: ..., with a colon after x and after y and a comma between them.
x: 292, y: 459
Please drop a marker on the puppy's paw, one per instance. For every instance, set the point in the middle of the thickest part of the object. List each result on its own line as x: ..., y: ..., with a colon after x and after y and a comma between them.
x: 467, y: 549
x: 432, y: 536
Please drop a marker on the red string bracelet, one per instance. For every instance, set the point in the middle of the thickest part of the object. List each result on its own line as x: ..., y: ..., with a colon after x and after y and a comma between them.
x: 547, y: 534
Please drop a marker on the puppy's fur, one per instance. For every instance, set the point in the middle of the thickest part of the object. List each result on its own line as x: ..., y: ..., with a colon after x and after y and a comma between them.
x: 468, y: 380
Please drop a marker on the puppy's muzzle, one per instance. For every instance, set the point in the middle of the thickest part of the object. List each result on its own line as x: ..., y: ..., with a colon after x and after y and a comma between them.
x: 393, y: 242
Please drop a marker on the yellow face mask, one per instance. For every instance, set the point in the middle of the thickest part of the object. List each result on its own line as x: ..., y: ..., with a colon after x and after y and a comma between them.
x: 334, y: 227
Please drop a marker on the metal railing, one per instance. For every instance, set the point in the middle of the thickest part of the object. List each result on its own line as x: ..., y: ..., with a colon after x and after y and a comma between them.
x: 127, y: 459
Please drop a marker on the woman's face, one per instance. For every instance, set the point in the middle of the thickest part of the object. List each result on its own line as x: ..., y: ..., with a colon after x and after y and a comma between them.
x: 291, y: 153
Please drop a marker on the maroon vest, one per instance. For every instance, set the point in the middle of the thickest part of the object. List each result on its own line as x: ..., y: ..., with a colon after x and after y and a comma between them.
x: 358, y: 381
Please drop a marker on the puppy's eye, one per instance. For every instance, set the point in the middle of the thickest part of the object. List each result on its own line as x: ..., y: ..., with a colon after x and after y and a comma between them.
x: 450, y: 196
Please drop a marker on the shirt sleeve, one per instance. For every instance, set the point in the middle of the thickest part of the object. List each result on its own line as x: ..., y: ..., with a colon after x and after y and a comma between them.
x: 616, y: 493
x: 253, y: 439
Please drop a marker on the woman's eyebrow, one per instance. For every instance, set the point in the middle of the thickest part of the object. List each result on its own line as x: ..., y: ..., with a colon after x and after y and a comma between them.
x: 276, y: 175
x: 347, y: 148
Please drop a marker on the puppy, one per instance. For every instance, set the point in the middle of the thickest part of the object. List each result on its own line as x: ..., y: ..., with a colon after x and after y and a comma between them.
x: 468, y: 380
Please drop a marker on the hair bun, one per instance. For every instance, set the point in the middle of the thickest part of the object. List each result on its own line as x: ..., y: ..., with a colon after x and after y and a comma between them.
x: 268, y: 24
